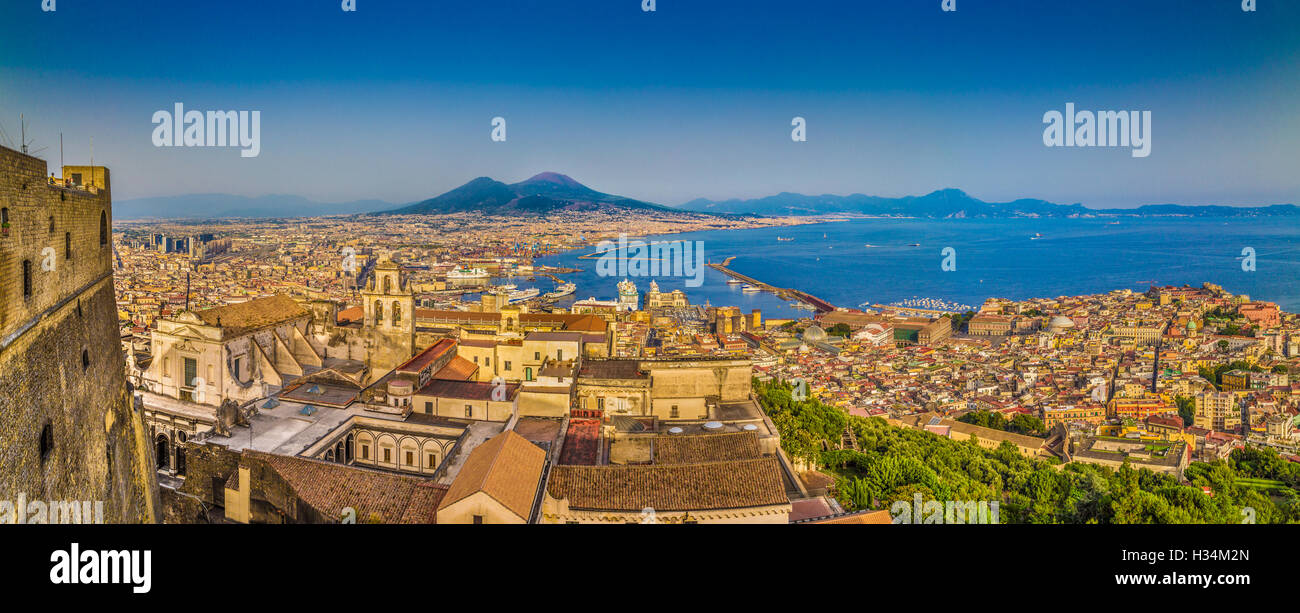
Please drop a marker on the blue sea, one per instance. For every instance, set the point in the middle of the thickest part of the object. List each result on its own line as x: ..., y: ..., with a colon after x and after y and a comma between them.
x: 993, y: 258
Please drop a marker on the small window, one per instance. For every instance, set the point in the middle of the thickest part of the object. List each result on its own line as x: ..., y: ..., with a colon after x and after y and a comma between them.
x: 478, y: 519
x: 507, y: 364
x: 469, y: 410
x: 365, y: 452
x: 537, y: 355
x: 388, y: 455
x: 27, y: 278
x: 67, y: 245
x: 51, y: 224
x: 410, y: 458
x: 85, y: 359
x: 103, y: 228
x: 487, y: 361
x: 433, y: 460
x: 47, y: 441
x: 428, y: 408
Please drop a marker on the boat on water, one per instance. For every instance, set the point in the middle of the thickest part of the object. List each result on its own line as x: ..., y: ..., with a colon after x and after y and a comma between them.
x: 734, y: 281
x: 523, y: 294
x: 562, y: 291
x: 784, y: 238
x: 468, y: 273
x: 868, y: 245
x: 749, y: 289
x: 915, y: 245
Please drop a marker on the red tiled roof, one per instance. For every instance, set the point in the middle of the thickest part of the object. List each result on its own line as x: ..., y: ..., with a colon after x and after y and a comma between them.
x: 329, y: 488
x: 507, y: 467
x: 428, y: 356
x: 458, y: 369
x: 466, y: 390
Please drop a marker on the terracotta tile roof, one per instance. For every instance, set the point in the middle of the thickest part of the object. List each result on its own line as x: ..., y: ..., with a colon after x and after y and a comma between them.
x: 329, y: 488
x: 861, y: 517
x: 428, y: 356
x: 458, y: 369
x: 423, y: 507
x: 355, y: 313
x: 238, y: 318
x: 696, y: 448
x: 466, y: 390
x: 586, y: 323
x: 670, y: 487
x: 506, y: 467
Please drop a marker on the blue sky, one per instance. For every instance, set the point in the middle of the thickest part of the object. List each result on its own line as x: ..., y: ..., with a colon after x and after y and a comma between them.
x: 395, y: 100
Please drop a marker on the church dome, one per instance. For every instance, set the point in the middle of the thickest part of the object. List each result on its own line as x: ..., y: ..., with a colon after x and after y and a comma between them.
x: 1061, y: 322
x: 814, y: 333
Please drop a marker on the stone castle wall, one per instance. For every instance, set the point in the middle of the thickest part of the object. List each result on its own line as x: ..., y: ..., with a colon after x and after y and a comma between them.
x: 68, y: 428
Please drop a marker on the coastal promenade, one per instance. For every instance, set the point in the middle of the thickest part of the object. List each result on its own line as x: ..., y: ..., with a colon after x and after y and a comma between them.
x: 784, y: 293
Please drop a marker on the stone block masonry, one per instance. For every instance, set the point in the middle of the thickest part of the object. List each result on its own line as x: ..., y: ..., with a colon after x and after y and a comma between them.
x: 68, y: 427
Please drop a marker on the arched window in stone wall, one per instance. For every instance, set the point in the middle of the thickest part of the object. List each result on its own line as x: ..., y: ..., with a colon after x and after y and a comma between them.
x: 388, y: 284
x: 379, y: 312
x: 397, y: 312
x: 103, y: 228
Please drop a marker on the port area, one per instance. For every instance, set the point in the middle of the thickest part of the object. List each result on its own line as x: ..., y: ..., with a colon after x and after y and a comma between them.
x: 785, y: 293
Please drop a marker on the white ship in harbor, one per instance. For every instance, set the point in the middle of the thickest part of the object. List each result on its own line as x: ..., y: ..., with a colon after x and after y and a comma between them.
x: 749, y: 289
x: 462, y: 274
x: 523, y: 294
x: 562, y: 291
x: 734, y: 281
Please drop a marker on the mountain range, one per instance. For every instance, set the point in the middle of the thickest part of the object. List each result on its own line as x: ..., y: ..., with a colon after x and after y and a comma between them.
x: 550, y: 191
x: 956, y: 204
x: 541, y: 193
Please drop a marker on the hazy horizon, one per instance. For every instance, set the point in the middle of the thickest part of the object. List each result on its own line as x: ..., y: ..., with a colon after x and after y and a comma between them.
x: 686, y: 102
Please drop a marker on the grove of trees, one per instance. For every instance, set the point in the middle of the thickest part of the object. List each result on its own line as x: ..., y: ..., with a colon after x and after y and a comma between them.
x: 894, y: 463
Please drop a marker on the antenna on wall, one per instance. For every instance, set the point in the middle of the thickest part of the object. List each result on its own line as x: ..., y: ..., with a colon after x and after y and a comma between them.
x: 22, y: 121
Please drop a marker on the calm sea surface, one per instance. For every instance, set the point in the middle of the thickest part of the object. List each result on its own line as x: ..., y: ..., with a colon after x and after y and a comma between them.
x: 994, y: 258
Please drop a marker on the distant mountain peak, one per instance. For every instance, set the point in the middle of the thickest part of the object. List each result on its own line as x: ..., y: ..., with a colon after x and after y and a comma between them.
x: 540, y: 193
x: 553, y: 177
